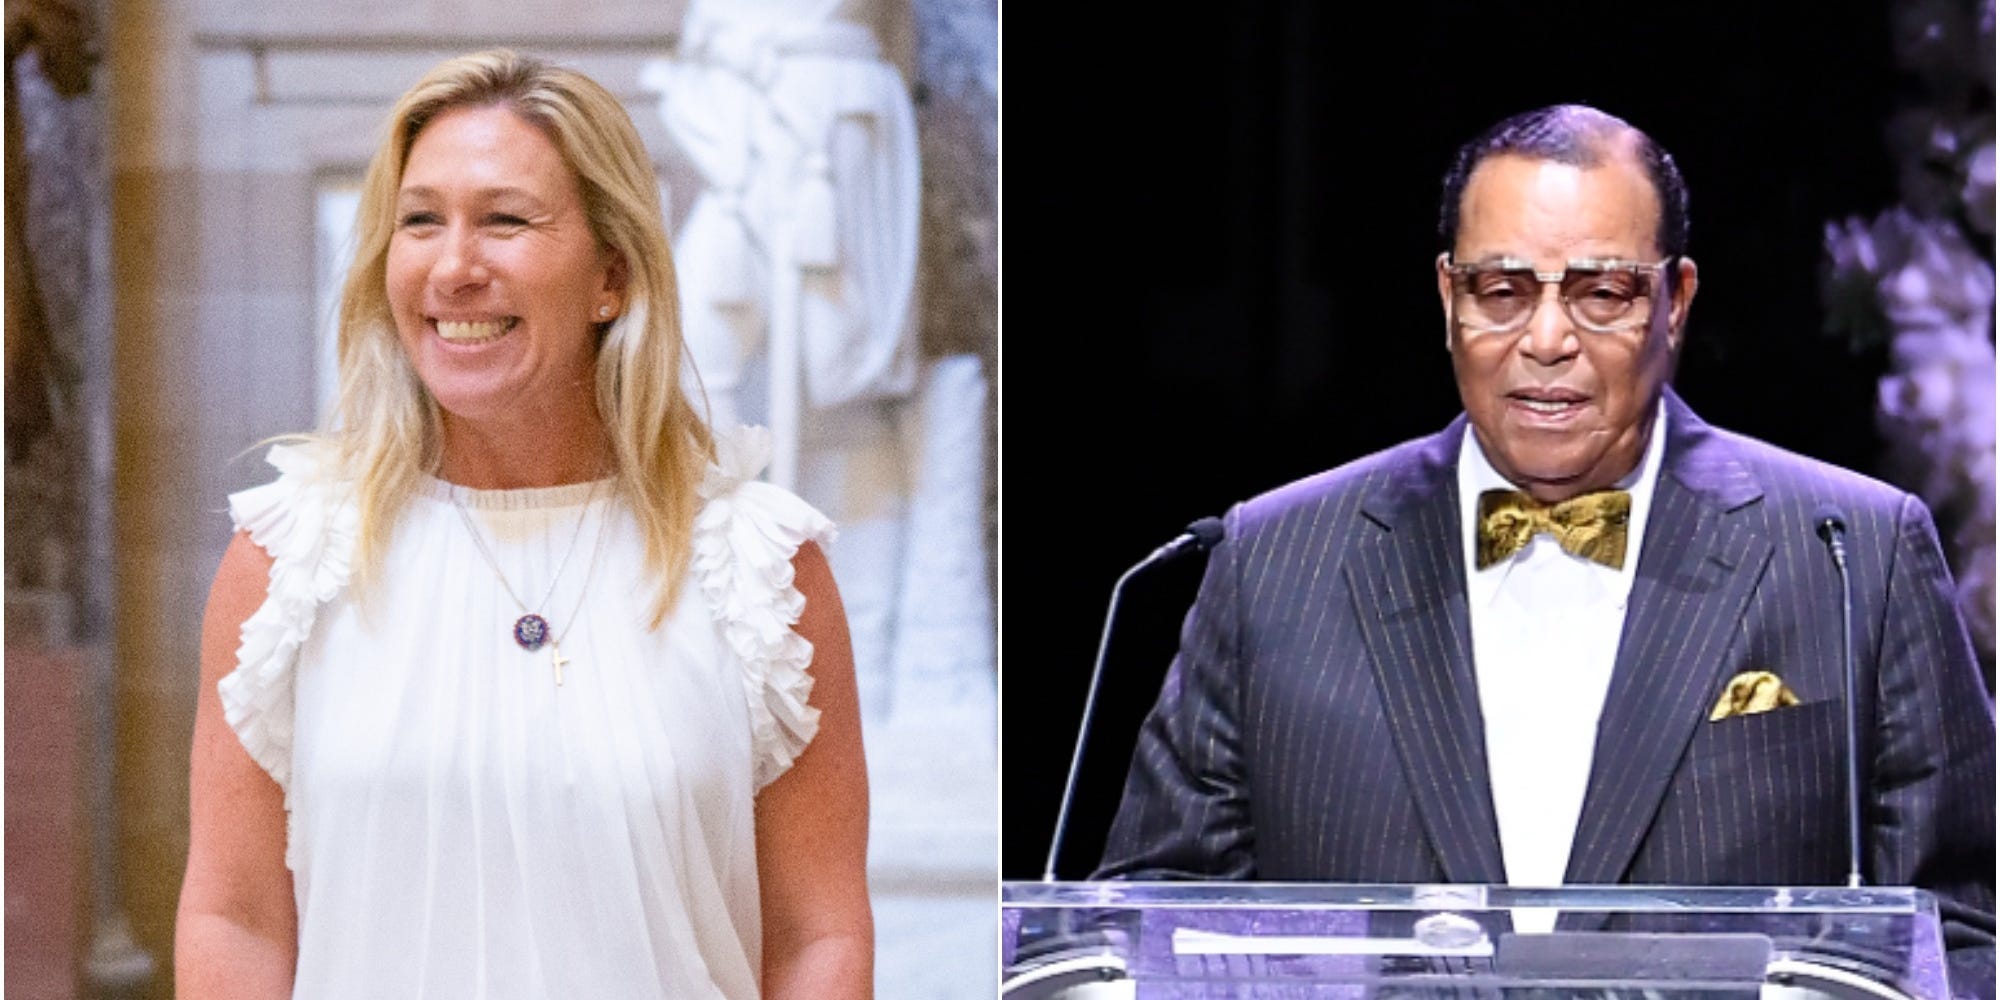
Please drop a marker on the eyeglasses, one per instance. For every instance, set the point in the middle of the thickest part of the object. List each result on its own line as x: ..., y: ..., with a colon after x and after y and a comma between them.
x: 1602, y: 296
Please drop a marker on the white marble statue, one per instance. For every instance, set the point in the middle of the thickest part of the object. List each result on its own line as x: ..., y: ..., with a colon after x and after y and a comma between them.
x: 802, y: 245
x: 797, y: 264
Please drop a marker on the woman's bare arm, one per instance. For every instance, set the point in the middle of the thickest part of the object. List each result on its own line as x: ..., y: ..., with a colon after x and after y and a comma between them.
x: 237, y: 932
x: 812, y: 824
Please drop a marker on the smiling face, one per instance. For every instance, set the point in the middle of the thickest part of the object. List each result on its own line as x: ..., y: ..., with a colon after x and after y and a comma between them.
x: 494, y: 277
x: 1560, y: 410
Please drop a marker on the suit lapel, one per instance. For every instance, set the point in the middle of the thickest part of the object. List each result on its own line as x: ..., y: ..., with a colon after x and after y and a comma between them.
x: 1408, y: 582
x: 1696, y: 572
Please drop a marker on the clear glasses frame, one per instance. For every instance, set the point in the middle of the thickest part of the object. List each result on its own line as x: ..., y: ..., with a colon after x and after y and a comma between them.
x: 1563, y: 279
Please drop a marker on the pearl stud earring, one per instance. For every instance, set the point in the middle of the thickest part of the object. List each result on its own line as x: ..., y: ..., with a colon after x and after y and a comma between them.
x: 603, y: 312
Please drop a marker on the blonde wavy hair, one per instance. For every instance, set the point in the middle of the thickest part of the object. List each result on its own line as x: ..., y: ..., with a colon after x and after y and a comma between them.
x: 387, y: 428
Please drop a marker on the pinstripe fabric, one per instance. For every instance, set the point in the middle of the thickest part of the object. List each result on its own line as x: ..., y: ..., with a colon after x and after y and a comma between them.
x: 1321, y: 720
x: 1409, y: 598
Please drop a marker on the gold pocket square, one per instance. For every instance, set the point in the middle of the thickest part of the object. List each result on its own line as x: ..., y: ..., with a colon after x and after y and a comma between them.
x: 1750, y: 692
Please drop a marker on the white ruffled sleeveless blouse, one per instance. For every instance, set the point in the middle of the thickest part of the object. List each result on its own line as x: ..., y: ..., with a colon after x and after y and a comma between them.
x: 459, y: 825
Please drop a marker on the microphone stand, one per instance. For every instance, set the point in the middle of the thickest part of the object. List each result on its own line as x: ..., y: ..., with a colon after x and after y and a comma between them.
x: 1201, y: 535
x: 1832, y: 529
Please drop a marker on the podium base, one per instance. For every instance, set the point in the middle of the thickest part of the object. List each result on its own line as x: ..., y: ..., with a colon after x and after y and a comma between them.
x: 1083, y: 977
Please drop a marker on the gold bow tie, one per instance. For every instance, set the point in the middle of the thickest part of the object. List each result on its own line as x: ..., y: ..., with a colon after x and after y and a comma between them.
x: 1591, y: 526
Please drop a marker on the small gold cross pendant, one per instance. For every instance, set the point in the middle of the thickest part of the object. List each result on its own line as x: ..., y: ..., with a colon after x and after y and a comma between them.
x: 559, y: 661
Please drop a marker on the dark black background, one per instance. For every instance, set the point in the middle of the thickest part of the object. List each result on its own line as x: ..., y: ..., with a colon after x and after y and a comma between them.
x: 1217, y: 242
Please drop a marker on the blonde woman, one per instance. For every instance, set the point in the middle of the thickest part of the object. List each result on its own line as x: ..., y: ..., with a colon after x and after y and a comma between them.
x: 515, y: 682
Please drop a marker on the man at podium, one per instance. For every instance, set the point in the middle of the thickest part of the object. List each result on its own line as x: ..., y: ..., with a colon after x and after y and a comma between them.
x: 1579, y: 636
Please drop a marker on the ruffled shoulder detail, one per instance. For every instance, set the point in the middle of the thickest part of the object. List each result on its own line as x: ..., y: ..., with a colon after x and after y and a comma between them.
x: 307, y: 522
x: 744, y: 540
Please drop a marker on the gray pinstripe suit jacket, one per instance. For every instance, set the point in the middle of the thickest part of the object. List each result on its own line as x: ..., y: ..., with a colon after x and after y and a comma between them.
x: 1321, y: 721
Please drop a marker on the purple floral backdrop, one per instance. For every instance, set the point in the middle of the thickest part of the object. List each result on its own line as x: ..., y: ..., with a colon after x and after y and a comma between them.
x: 1918, y: 279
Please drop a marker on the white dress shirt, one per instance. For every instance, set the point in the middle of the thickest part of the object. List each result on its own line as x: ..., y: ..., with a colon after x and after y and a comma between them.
x: 1545, y: 630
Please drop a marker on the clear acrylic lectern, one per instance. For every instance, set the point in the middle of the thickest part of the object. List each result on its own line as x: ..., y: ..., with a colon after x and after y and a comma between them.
x: 1243, y: 940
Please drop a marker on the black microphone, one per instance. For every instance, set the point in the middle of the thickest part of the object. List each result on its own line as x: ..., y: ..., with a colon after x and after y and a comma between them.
x: 1831, y: 525
x: 1199, y: 537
